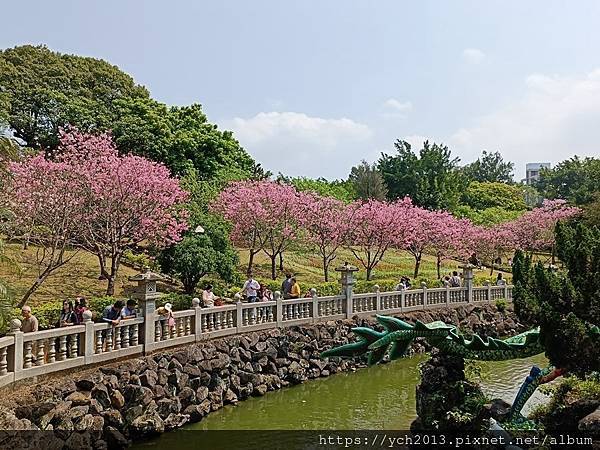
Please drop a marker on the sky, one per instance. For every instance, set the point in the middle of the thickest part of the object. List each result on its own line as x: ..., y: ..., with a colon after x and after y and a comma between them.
x: 312, y: 87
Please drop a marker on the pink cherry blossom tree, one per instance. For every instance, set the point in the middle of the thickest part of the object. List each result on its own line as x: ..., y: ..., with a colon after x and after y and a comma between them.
x: 326, y: 222
x: 47, y: 202
x: 375, y: 227
x: 108, y: 202
x: 265, y: 215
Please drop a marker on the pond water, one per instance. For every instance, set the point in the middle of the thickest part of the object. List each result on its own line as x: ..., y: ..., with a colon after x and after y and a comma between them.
x: 376, y: 398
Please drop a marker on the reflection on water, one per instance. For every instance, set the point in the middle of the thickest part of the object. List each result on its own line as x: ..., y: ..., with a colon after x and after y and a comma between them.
x: 377, y: 398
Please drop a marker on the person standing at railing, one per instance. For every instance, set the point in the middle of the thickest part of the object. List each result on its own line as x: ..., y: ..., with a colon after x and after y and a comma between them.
x: 129, y: 312
x: 80, y: 308
x: 112, y: 313
x: 29, y: 323
x: 500, y: 281
x: 455, y: 280
x: 286, y: 286
x: 295, y: 290
x: 251, y: 287
x: 208, y: 296
x: 67, y: 315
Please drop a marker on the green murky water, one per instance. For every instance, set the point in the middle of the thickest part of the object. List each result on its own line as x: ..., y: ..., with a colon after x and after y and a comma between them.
x: 376, y: 398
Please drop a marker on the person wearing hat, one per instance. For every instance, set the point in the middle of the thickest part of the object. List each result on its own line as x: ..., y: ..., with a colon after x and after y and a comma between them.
x: 167, y: 312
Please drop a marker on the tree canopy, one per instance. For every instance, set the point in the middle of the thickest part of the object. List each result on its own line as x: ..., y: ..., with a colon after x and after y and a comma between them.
x: 482, y: 195
x: 576, y: 180
x: 490, y: 167
x: 367, y: 182
x: 42, y: 91
x: 431, y: 178
x: 339, y: 189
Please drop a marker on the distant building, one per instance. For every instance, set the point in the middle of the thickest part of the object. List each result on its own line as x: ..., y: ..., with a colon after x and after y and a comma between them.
x: 532, y: 171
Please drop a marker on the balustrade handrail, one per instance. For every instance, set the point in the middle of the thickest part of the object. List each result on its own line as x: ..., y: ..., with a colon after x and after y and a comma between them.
x: 53, y: 333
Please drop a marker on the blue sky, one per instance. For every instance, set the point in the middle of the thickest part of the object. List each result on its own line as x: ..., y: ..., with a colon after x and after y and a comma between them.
x: 312, y: 87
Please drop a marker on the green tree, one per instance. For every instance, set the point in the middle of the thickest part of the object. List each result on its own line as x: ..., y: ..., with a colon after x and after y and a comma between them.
x: 43, y: 90
x: 200, y: 254
x: 564, y: 304
x: 180, y: 137
x: 431, y: 178
x: 482, y: 195
x: 367, y: 182
x: 488, y: 216
x: 490, y: 167
x: 340, y: 189
x: 576, y: 180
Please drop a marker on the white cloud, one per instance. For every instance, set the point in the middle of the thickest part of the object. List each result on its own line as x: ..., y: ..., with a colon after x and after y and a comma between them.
x: 555, y: 119
x: 395, y: 109
x: 397, y: 105
x: 473, y: 55
x: 298, y: 144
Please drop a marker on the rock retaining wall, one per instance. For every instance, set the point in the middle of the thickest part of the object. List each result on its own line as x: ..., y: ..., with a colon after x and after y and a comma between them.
x: 113, y: 405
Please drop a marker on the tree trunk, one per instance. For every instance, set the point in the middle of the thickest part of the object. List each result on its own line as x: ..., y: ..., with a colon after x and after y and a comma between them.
x: 273, y: 267
x: 281, y: 261
x: 325, y: 269
x: 114, y: 268
x: 417, y: 266
x: 36, y: 284
x: 369, y: 273
x: 251, y: 261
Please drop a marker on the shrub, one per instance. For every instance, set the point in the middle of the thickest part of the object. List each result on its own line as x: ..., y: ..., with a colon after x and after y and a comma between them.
x: 501, y: 304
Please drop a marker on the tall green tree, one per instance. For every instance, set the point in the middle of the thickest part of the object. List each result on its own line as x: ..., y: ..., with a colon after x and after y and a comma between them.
x: 491, y: 168
x: 431, y: 178
x: 367, y: 182
x: 576, y: 180
x: 43, y: 90
x: 566, y: 304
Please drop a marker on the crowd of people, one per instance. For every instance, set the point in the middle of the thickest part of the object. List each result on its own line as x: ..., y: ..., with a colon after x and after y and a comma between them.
x: 71, y: 314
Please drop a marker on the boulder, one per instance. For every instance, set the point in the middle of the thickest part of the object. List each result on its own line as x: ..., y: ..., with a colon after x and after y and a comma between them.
x: 176, y: 421
x: 147, y: 425
x: 85, y: 384
x: 114, y: 438
x: 149, y: 378
x: 79, y: 398
x: 590, y: 423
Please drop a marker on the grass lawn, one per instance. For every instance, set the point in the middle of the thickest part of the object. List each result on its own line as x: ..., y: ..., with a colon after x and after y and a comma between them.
x: 307, y: 267
x: 78, y: 277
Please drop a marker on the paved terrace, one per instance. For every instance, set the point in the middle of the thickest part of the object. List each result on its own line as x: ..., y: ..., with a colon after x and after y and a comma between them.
x: 26, y: 355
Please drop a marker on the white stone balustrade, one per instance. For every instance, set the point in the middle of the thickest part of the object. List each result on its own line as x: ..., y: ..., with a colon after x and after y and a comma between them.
x: 24, y: 355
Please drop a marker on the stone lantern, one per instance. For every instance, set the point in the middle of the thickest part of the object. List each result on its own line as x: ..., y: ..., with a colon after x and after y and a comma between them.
x: 146, y: 294
x: 347, y: 280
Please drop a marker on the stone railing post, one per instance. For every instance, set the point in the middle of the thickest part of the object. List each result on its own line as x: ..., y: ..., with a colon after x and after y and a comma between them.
x: 378, y: 305
x: 489, y: 289
x: 238, y: 315
x: 315, y: 304
x: 89, y: 337
x: 447, y: 286
x: 15, y: 358
x: 347, y: 281
x: 468, y: 281
x: 402, y: 298
x: 424, y: 287
x: 278, y: 308
x: 146, y: 294
x: 506, y: 292
x: 197, y: 317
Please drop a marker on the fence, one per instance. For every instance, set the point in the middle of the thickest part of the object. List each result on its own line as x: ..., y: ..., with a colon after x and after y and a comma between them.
x: 26, y: 355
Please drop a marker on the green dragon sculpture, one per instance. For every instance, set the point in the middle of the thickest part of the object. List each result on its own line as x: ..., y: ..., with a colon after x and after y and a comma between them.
x: 398, y: 336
